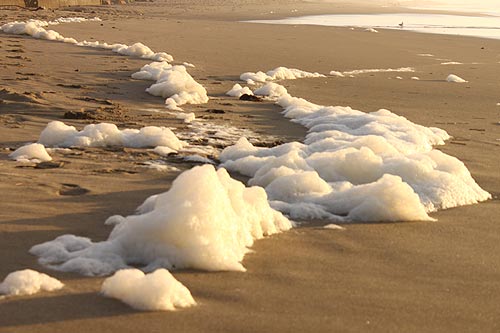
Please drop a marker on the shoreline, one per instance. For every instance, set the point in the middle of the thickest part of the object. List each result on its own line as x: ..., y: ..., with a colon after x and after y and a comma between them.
x: 378, y: 277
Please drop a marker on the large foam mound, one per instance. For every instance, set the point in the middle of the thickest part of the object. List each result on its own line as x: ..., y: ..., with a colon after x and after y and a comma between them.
x: 30, y: 152
x: 28, y: 282
x: 148, y: 292
x: 207, y: 220
x: 35, y: 29
x: 279, y: 73
x: 58, y: 134
x: 355, y: 166
x: 173, y: 83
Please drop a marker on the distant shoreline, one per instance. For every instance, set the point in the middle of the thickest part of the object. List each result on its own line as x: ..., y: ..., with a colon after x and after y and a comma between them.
x: 442, y: 24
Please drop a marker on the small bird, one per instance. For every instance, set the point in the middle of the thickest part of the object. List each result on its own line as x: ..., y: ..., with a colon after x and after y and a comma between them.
x: 401, y: 25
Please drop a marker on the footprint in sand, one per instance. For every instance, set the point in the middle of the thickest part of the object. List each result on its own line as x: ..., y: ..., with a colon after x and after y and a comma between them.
x: 18, y: 57
x: 27, y: 74
x: 10, y: 96
x: 72, y: 189
x: 49, y: 165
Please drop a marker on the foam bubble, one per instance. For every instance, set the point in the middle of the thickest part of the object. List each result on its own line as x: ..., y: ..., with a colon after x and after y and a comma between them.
x: 35, y: 29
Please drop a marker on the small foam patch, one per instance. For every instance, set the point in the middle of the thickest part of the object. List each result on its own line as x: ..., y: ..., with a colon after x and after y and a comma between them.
x: 157, y: 291
x: 28, y: 282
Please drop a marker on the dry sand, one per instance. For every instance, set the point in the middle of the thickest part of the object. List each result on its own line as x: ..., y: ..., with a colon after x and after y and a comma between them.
x: 382, y: 277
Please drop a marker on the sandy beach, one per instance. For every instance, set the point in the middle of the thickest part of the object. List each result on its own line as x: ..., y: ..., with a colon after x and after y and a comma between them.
x: 371, y: 277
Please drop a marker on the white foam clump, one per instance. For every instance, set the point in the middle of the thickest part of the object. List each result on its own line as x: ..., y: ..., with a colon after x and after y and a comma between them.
x: 35, y: 29
x: 173, y: 83
x: 237, y: 91
x: 164, y: 151
x: 416, y: 78
x: 152, y: 71
x: 371, y: 30
x: 137, y: 50
x: 355, y: 166
x: 271, y: 89
x: 455, y: 79
x: 31, y: 152
x: 28, y: 282
x: 279, y: 73
x: 58, y: 134
x: 452, y: 63
x: 157, y: 291
x: 207, y: 220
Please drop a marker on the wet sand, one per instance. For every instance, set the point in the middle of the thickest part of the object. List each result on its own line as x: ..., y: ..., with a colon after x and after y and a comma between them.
x: 382, y: 277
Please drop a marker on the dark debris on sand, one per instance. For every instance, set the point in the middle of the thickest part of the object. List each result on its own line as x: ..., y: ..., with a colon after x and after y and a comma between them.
x: 251, y: 98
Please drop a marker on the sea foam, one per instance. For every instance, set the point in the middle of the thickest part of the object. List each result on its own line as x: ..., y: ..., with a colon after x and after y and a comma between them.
x: 157, y: 291
x: 28, y: 282
x: 354, y: 166
x: 207, y: 220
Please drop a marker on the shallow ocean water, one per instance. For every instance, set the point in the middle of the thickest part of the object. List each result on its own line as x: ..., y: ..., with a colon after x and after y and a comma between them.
x: 476, y: 26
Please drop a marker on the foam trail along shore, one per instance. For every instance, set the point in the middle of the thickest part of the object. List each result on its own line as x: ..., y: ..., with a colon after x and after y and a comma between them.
x: 35, y: 29
x: 279, y: 73
x: 374, y: 70
x: 172, y: 82
x: 163, y: 141
x: 354, y: 166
